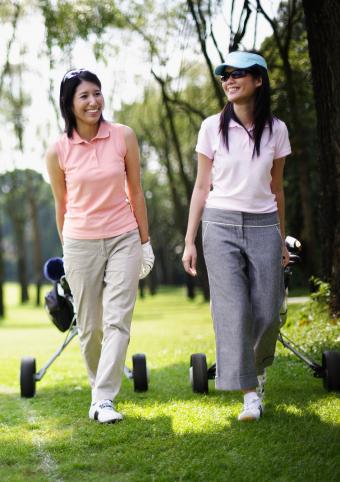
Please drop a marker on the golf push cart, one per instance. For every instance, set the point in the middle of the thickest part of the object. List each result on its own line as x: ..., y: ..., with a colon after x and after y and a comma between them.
x: 329, y: 370
x: 60, y: 306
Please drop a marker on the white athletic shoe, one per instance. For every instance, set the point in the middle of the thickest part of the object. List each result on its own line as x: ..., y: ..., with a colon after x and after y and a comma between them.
x: 252, y: 410
x: 260, y: 388
x: 104, y: 412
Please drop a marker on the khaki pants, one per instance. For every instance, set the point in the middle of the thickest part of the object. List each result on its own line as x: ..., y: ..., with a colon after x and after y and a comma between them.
x: 103, y: 277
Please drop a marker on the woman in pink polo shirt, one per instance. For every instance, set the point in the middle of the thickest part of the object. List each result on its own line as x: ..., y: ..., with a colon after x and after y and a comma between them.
x: 239, y: 197
x: 101, y: 218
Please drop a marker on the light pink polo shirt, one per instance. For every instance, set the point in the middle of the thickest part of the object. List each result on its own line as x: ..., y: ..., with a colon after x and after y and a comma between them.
x: 97, y: 206
x: 240, y: 182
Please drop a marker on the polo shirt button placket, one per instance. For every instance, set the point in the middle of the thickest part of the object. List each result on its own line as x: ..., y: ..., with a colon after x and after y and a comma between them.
x: 250, y: 147
x: 94, y: 155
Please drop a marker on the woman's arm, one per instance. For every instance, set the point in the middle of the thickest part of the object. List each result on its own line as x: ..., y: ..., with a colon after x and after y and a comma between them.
x: 58, y: 187
x: 278, y: 190
x: 198, y: 198
x: 135, y: 191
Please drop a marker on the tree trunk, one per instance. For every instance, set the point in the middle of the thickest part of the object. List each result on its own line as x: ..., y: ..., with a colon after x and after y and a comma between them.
x: 21, y: 261
x: 308, y: 226
x: 38, y: 261
x: 153, y: 282
x: 283, y: 38
x: 2, y: 276
x: 142, y: 288
x: 161, y: 257
x: 322, y: 22
x: 190, y: 284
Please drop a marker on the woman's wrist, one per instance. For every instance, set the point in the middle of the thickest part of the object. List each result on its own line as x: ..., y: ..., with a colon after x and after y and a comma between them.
x: 189, y: 239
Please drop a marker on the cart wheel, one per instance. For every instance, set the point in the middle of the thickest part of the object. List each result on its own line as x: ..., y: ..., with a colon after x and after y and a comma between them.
x: 199, y: 373
x: 140, y: 373
x: 27, y: 377
x: 331, y: 365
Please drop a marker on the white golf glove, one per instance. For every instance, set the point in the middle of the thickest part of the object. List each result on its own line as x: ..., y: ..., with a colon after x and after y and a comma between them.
x: 148, y: 259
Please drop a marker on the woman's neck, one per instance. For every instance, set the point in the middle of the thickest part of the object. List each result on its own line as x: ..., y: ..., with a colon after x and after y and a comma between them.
x: 245, y: 112
x: 87, y: 131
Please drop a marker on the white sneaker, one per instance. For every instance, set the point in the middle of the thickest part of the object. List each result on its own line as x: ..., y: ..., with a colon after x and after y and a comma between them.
x: 260, y: 388
x: 252, y: 410
x: 104, y: 412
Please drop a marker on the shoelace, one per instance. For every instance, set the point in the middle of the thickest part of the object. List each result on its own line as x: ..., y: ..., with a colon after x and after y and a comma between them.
x: 253, y: 404
x: 106, y: 404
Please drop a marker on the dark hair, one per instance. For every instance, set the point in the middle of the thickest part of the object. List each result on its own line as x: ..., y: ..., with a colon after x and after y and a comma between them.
x: 262, y: 111
x: 68, y: 86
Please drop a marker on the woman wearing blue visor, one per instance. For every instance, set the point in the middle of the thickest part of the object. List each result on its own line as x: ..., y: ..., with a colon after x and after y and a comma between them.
x: 239, y: 197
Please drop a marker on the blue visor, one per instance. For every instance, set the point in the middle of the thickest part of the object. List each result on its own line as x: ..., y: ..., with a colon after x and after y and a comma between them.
x: 240, y: 60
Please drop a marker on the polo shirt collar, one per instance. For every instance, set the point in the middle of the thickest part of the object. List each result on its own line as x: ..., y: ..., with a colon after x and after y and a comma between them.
x: 233, y: 123
x: 103, y: 132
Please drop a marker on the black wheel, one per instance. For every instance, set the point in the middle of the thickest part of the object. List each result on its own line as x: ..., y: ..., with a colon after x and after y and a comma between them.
x: 140, y: 373
x: 199, y: 373
x: 331, y: 365
x: 27, y: 377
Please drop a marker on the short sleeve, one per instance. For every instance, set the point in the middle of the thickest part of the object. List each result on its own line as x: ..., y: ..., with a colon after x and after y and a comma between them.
x: 204, y: 141
x: 282, y: 144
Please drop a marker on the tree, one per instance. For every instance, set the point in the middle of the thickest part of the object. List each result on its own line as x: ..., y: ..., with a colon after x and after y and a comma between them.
x: 14, y: 200
x: 285, y: 29
x: 9, y: 11
x: 167, y: 195
x: 301, y: 73
x: 34, y: 182
x: 322, y: 21
x: 177, y: 102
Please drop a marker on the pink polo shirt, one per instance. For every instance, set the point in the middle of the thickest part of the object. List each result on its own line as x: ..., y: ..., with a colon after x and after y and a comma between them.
x: 97, y: 206
x: 241, y: 182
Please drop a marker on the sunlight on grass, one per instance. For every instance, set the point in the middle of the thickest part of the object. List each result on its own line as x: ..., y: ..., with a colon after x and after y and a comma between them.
x: 169, y: 433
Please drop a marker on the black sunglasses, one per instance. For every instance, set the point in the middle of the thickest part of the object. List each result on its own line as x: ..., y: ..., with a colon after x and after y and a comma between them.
x: 235, y: 74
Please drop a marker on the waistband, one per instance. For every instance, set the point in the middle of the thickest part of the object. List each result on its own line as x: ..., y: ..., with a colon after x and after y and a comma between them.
x: 239, y: 218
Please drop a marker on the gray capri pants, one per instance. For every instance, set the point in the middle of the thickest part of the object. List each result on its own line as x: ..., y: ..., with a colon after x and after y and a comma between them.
x: 243, y: 254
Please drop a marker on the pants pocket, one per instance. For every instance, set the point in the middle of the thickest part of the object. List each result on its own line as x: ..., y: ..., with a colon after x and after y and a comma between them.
x: 278, y: 230
x: 204, y: 230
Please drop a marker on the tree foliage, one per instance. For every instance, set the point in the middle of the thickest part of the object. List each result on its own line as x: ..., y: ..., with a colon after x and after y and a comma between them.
x: 180, y: 94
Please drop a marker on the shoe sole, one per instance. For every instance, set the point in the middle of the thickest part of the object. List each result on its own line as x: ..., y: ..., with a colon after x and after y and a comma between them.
x: 96, y: 419
x: 249, y: 419
x: 106, y: 421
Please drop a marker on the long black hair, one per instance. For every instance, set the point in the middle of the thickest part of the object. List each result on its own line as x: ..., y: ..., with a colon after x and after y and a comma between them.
x: 68, y: 86
x: 262, y: 111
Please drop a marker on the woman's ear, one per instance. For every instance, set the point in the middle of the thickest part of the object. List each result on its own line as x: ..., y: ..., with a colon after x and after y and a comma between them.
x: 258, y: 82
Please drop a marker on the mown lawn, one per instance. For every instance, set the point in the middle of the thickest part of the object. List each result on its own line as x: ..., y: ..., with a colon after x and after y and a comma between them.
x: 169, y: 433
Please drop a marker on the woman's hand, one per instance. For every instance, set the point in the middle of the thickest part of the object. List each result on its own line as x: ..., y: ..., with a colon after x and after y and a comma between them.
x: 189, y: 259
x: 148, y: 259
x: 285, y: 256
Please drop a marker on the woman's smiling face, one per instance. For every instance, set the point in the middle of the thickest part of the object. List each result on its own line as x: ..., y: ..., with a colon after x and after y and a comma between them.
x: 88, y: 103
x: 240, y: 90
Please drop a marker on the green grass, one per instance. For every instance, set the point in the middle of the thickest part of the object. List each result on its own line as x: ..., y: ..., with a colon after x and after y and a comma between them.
x: 169, y: 433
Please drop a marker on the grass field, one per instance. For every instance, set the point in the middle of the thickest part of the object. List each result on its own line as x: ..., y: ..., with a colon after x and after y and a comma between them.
x: 169, y: 433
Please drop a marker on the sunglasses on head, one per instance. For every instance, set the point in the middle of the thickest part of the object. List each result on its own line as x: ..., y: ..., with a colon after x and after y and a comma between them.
x: 72, y: 73
x: 235, y: 74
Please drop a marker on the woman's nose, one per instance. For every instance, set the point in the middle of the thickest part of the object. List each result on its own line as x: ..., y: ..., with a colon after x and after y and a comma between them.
x: 93, y: 100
